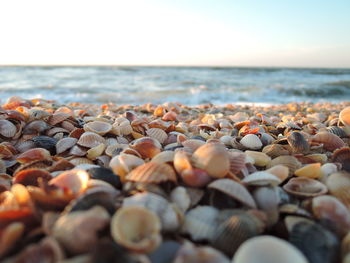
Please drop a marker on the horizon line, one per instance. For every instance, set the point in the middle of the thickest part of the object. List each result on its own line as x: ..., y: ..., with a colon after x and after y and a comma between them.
x: 166, y: 65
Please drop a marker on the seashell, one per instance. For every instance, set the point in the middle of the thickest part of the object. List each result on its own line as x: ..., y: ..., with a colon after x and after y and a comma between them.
x: 193, y: 144
x: 298, y: 142
x: 157, y: 134
x: 90, y: 139
x: 309, y: 237
x: 181, y: 198
x: 268, y: 200
x: 344, y: 116
x: 35, y: 154
x: 338, y: 185
x: 99, y: 127
x: 266, y: 139
x: 68, y: 125
x: 36, y: 127
x: 317, y: 157
x: 77, y: 151
x: 123, y: 164
x: 5, y: 182
x: 201, y: 223
x: 226, y: 139
x: 45, y: 142
x: 234, y: 231
x: 136, y: 228
x: 251, y: 141
x: 337, y: 131
x: 80, y: 161
x: 312, y: 170
x: 7, y: 150
x: 60, y: 165
x: 106, y: 175
x: 213, y: 158
x: 37, y: 114
x: 279, y: 171
x: 166, y: 252
x: 58, y: 117
x: 73, y: 180
x: 289, y: 161
x: 237, y: 161
x: 96, y: 151
x: 64, y: 144
x: 146, y: 146
x: 330, y: 141
x: 305, y: 187
x: 77, y: 231
x: 234, y: 190
x: 195, y: 177
x: 115, y: 149
x: 10, y: 236
x: 275, y: 150
x: 332, y: 213
x: 342, y: 156
x: 168, y: 214
x: 56, y: 130
x: 164, y: 157
x: 326, y: 170
x: 260, y: 159
x: 7, y: 129
x: 152, y: 173
x: 268, y: 249
x: 122, y: 128
x: 261, y: 178
x: 30, y: 176
x: 76, y: 133
x: 182, y: 161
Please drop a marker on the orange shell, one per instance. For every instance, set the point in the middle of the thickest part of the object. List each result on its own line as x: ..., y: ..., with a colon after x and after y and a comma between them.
x: 35, y: 154
x: 329, y: 140
x: 90, y: 139
x: 30, y: 176
x: 152, y: 173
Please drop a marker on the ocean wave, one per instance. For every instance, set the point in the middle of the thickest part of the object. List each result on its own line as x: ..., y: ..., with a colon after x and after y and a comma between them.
x: 331, y: 72
x: 340, y: 83
x: 330, y: 91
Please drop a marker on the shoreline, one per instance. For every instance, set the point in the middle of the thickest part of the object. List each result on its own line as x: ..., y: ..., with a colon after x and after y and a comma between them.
x: 196, y: 183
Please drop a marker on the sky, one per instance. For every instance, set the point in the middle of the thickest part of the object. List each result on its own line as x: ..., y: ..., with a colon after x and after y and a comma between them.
x: 289, y: 33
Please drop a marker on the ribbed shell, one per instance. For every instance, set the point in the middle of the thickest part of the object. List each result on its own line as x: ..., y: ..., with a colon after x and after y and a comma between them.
x: 58, y: 117
x: 157, y: 134
x: 344, y: 116
x: 65, y: 144
x: 298, y: 142
x: 237, y: 161
x: 289, y: 161
x: 35, y: 154
x: 7, y: 129
x: 305, y: 187
x: 342, y: 156
x: 152, y: 173
x: 99, y: 127
x: 329, y: 140
x: 275, y: 150
x: 234, y: 190
x: 34, y: 127
x: 337, y: 131
x: 90, y: 139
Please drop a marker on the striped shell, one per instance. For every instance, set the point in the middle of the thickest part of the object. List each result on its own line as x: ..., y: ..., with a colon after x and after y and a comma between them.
x: 35, y: 154
x: 342, y: 156
x: 58, y: 117
x: 305, y: 187
x: 36, y: 126
x: 275, y: 150
x: 90, y: 139
x: 337, y: 131
x: 152, y: 173
x: 237, y: 161
x: 7, y: 129
x: 123, y: 164
x: 234, y: 190
x: 289, y: 161
x: 298, y: 142
x: 146, y: 146
x: 64, y: 144
x: 157, y: 134
x: 329, y: 140
x: 193, y: 144
x: 99, y: 127
x: 164, y: 157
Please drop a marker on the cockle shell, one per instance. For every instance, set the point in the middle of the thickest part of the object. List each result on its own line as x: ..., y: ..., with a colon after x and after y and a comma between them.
x: 213, y: 158
x: 279, y: 171
x: 136, y: 228
x: 96, y: 151
x: 275, y: 150
x: 261, y: 178
x: 7, y: 129
x: 268, y: 200
x: 35, y: 127
x: 251, y: 141
x: 193, y: 144
x: 77, y: 231
x: 298, y: 142
x: 90, y: 139
x: 344, y: 116
x: 99, y: 127
x: 289, y: 161
x: 146, y: 146
x: 260, y: 159
x: 237, y: 161
x: 182, y: 161
x: 340, y: 132
x: 326, y: 170
x: 152, y: 173
x: 268, y: 249
x: 329, y: 140
x: 181, y: 198
x: 30, y: 176
x: 65, y: 144
x: 342, y: 156
x: 164, y: 157
x: 234, y: 190
x: 195, y: 177
x: 305, y: 187
x: 157, y: 134
x: 58, y: 117
x: 123, y: 164
x: 338, y: 185
x: 201, y: 223
x: 312, y: 170
x: 35, y: 154
x: 73, y: 180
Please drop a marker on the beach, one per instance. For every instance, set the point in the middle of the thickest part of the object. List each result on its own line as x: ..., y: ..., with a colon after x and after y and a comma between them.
x: 171, y: 182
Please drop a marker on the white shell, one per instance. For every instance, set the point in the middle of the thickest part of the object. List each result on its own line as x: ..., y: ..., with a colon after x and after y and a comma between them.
x: 251, y: 141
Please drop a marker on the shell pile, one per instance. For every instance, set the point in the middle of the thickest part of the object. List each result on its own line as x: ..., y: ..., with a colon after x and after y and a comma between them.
x: 172, y: 183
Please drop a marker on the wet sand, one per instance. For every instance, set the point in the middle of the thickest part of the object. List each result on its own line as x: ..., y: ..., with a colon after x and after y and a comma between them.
x: 173, y: 183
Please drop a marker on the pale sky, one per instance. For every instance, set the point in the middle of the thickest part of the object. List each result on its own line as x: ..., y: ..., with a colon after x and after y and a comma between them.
x: 294, y: 33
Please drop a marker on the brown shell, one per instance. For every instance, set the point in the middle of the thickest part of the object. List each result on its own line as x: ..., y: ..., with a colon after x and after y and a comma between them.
x: 193, y: 144
x: 234, y: 190
x: 99, y: 127
x: 212, y: 158
x: 136, y: 228
x: 58, y: 117
x: 64, y: 144
x: 342, y: 156
x: 90, y: 139
x: 344, y: 116
x: 275, y: 150
x: 35, y: 154
x: 298, y: 142
x: 157, y: 134
x: 7, y: 129
x: 237, y: 161
x: 30, y: 176
x: 34, y: 127
x: 182, y: 161
x: 305, y: 187
x: 73, y: 180
x: 146, y: 146
x: 152, y: 173
x: 80, y: 160
x: 289, y: 161
x: 329, y: 140
x: 10, y: 236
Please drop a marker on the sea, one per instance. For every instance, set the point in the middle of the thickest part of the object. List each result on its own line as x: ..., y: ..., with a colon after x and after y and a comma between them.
x: 187, y: 85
